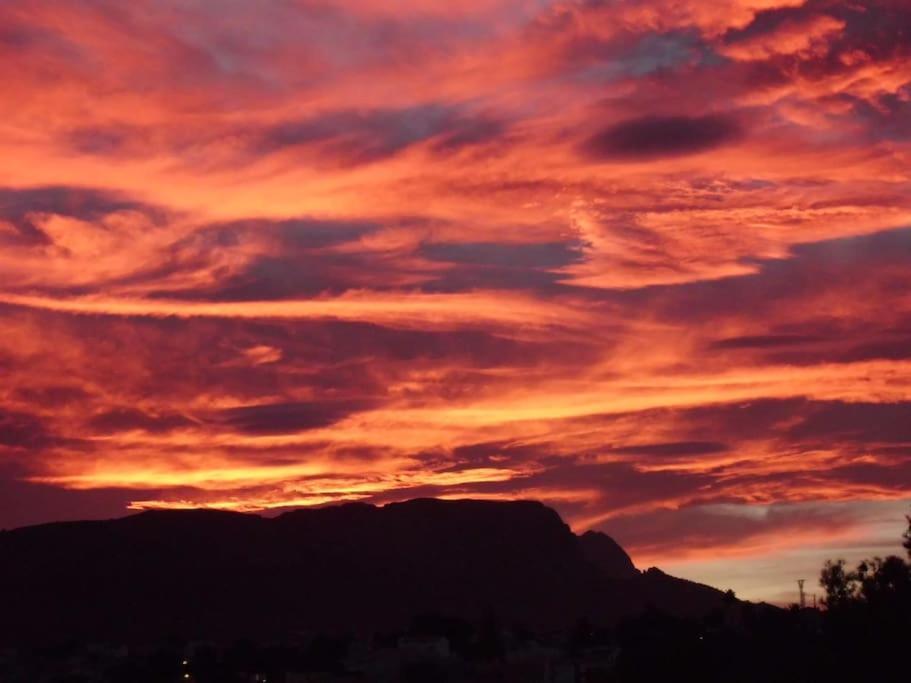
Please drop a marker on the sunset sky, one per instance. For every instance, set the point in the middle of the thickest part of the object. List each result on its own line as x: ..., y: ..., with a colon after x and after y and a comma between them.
x: 647, y: 261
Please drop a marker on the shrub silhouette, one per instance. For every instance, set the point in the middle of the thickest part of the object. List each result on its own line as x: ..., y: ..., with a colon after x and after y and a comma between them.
x: 868, y: 612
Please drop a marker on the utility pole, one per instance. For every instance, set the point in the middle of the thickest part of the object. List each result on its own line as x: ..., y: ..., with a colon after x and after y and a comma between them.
x: 803, y: 597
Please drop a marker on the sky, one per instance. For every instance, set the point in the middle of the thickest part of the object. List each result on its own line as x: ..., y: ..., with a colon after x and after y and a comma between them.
x: 646, y: 261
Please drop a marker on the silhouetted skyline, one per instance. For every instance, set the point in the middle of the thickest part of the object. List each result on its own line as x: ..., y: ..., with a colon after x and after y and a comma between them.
x: 210, y: 574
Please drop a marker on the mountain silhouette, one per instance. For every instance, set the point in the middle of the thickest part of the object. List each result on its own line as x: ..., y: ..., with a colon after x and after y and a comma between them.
x: 607, y: 555
x: 352, y: 567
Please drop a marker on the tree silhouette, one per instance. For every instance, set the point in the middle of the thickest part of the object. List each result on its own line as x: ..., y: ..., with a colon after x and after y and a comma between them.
x: 878, y: 583
x: 883, y: 582
x: 868, y: 616
x: 840, y: 584
x: 907, y: 537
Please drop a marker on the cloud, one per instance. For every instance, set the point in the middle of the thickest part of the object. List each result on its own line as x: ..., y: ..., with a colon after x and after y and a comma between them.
x: 645, y: 260
x: 766, y: 341
x: 407, y: 311
x: 866, y: 423
x: 23, y: 209
x: 294, y: 233
x: 121, y: 420
x: 544, y: 256
x: 765, y: 39
x: 21, y: 430
x: 869, y: 23
x: 696, y: 529
x: 820, y: 49
x: 501, y: 266
x: 101, y: 141
x: 674, y: 448
x: 277, y: 418
x: 53, y: 395
x: 655, y: 137
x: 359, y: 137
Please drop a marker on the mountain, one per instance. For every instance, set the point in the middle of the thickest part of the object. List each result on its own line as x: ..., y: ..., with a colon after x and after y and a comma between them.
x: 353, y: 567
x: 607, y: 555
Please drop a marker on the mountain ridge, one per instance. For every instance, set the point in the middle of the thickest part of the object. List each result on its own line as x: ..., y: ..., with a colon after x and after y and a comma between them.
x: 221, y: 574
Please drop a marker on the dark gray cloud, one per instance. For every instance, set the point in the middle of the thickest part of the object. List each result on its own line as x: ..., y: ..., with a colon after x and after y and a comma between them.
x: 356, y: 137
x: 766, y: 341
x: 53, y: 395
x: 21, y: 208
x: 128, y: 419
x: 797, y: 422
x: 279, y: 418
x: 655, y: 137
x: 104, y: 141
x: 841, y: 422
x: 291, y: 234
x: 674, y: 448
x: 293, y: 275
x: 893, y: 476
x: 881, y: 261
x: 470, y: 132
x: 878, y: 27
x: 524, y: 255
x: 877, y: 30
x: 499, y: 265
x: 24, y: 430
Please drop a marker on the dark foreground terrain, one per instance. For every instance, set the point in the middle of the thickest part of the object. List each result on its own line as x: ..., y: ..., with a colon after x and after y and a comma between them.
x: 213, y: 574
x: 421, y: 591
